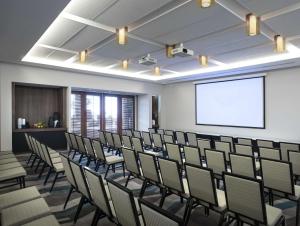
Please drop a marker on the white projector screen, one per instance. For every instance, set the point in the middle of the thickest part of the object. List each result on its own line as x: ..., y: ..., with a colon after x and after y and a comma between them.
x: 236, y: 103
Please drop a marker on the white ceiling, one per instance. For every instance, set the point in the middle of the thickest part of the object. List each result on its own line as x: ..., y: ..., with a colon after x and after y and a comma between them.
x: 218, y: 31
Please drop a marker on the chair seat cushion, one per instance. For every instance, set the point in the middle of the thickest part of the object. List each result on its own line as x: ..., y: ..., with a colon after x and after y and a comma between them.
x: 9, y: 160
x: 58, y: 167
x: 7, y: 156
x: 18, y: 196
x: 273, y: 215
x: 297, y: 193
x: 25, y: 212
x: 56, y: 160
x: 12, y: 173
x: 114, y: 159
x: 44, y: 221
x: 5, y: 152
x: 10, y: 165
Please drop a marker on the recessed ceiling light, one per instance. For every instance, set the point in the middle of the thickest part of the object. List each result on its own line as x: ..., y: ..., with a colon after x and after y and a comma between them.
x: 122, y: 34
x: 169, y: 49
x: 203, y: 60
x: 83, y: 56
x: 253, y: 24
x: 157, y: 70
x: 125, y: 64
x: 279, y: 43
x: 205, y: 3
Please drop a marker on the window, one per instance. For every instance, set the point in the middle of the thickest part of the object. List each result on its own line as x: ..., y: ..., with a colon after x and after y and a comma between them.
x: 91, y: 112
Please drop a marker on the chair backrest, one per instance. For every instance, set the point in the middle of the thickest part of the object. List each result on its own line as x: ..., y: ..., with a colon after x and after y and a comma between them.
x: 98, y: 191
x: 228, y: 139
x: 245, y: 197
x: 197, y: 175
x: 216, y: 161
x: 79, y: 177
x: 74, y: 141
x: 203, y: 144
x: 245, y: 141
x: 68, y: 139
x: 157, y: 141
x: 154, y: 216
x: 46, y: 155
x: 192, y: 155
x: 33, y: 145
x: 124, y: 204
x: 168, y: 138
x: 137, y: 144
x: 270, y: 153
x: 169, y: 132
x: 81, y: 146
x: 129, y: 132
x: 110, y: 140
x: 174, y: 152
x: 192, y: 139
x: 68, y: 170
x: 102, y: 138
x: 242, y: 165
x: 98, y: 150
x: 170, y: 174
x: 285, y: 147
x: 137, y: 134
x: 127, y: 141
x: 180, y: 137
x: 277, y: 175
x: 149, y: 167
x: 89, y: 148
x: 161, y: 131
x: 225, y: 147
x: 151, y: 131
x: 265, y: 143
x: 131, y: 161
x: 294, y: 158
x: 147, y: 138
x: 244, y: 149
x: 28, y: 141
x: 117, y: 140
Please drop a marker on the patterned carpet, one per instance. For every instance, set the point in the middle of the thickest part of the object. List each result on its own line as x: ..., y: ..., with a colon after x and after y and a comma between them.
x: 57, y: 198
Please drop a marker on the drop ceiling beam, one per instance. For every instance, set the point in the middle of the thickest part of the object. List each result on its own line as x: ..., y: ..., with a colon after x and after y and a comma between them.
x: 280, y: 12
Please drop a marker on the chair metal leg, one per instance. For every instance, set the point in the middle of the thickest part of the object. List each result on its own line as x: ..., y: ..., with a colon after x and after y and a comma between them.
x: 38, y: 165
x: 42, y: 171
x: 35, y: 158
x: 74, y: 154
x: 188, y: 210
x: 163, y: 197
x: 127, y: 180
x: 96, y: 217
x: 47, y: 177
x: 107, y: 171
x: 29, y: 158
x: 55, y: 178
x: 68, y: 197
x: 80, y: 158
x: 79, y: 208
x: 297, y: 212
x: 143, y: 188
x: 123, y: 166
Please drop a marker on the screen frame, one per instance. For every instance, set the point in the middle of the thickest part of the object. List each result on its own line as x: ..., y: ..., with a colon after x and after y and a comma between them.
x: 250, y: 127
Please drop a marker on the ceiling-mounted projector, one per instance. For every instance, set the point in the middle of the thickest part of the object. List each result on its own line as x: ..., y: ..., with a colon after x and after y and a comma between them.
x: 182, y: 52
x: 147, y: 60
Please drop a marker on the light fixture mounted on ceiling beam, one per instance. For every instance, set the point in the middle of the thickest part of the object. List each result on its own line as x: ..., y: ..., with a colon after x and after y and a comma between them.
x: 203, y: 60
x: 122, y: 35
x: 125, y: 64
x: 169, y: 49
x: 279, y: 44
x: 253, y: 24
x: 83, y: 56
x: 157, y: 70
x: 205, y: 3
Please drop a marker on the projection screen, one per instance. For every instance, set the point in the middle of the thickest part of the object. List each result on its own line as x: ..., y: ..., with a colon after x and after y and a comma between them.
x: 235, y: 103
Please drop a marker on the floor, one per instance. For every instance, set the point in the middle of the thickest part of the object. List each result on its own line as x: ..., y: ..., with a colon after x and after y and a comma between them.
x: 57, y: 198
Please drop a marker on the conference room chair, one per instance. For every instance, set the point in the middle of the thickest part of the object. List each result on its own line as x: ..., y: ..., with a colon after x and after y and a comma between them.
x: 100, y: 196
x: 110, y: 161
x: 69, y: 143
x: 265, y: 143
x: 245, y: 141
x: 206, y: 195
x: 157, y: 142
x: 127, y: 132
x: 110, y: 141
x: 216, y: 161
x: 90, y: 150
x: 225, y: 147
x: 228, y: 139
x: 131, y: 163
x: 285, y: 147
x: 244, y: 149
x: 270, y: 153
x: 70, y: 177
x: 126, y: 141
x: 202, y: 145
x: 154, y: 216
x: 169, y: 132
x: 150, y: 172
x: 44, y: 221
x: 10, y: 165
x: 82, y: 187
x: 102, y: 139
x: 168, y: 138
x: 278, y: 179
x: 117, y: 143
x: 30, y: 148
x: 125, y: 205
x: 192, y: 139
x: 180, y: 138
x: 192, y: 155
x: 243, y: 165
x: 74, y: 143
x: 151, y: 131
x: 161, y: 131
x: 81, y: 148
x: 36, y: 150
x: 294, y: 158
x: 137, y: 134
x: 245, y: 202
x: 147, y: 140
x: 174, y: 153
x: 138, y: 147
x: 172, y: 180
x: 17, y: 174
x: 8, y: 160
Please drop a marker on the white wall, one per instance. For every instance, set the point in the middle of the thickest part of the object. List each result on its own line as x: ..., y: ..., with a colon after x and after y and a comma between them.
x: 282, y: 109
x: 18, y: 73
x: 144, y: 112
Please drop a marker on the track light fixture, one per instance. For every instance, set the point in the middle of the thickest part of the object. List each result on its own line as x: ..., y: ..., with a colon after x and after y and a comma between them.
x: 203, y: 60
x: 125, y: 64
x: 157, y: 70
x: 169, y: 49
x: 205, y: 3
x: 279, y: 43
x: 253, y: 24
x: 83, y: 56
x: 122, y: 35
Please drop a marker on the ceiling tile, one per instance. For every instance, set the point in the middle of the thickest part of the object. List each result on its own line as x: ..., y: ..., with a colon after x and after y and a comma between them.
x: 60, y: 56
x: 40, y: 52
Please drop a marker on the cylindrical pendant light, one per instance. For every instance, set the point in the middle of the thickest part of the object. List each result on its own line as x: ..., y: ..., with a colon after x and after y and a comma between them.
x: 203, y: 60
x: 169, y: 49
x: 122, y: 35
x: 279, y: 43
x: 253, y: 24
x: 205, y: 3
x: 157, y: 70
x: 125, y: 64
x: 83, y: 56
